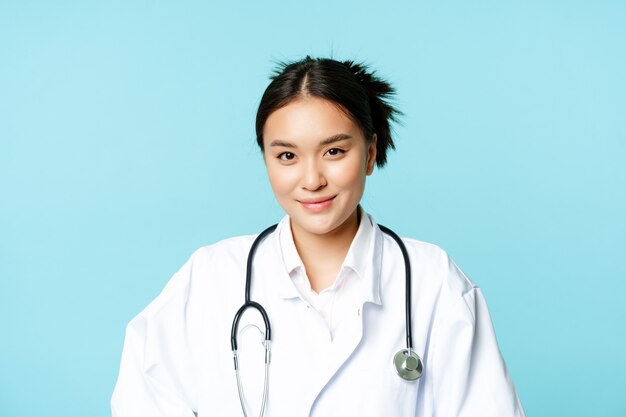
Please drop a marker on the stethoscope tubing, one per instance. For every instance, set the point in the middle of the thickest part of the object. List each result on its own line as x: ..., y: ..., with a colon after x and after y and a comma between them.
x: 248, y: 303
x: 253, y: 248
x: 407, y: 286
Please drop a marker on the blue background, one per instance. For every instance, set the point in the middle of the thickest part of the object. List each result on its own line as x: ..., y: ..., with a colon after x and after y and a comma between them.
x: 127, y: 141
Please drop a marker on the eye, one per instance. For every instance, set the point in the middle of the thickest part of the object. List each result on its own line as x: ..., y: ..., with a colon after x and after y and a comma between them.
x: 286, y: 156
x: 335, y: 151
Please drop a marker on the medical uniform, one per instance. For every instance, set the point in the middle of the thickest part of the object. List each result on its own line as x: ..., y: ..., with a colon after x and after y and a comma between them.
x: 331, y: 352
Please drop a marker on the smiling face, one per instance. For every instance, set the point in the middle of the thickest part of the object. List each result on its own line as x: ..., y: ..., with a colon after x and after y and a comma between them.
x: 317, y: 160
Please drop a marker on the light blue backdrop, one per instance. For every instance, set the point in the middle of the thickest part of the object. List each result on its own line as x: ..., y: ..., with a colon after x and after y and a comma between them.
x: 127, y: 141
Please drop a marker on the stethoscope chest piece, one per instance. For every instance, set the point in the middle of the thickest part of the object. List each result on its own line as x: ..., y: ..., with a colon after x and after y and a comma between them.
x: 408, y: 364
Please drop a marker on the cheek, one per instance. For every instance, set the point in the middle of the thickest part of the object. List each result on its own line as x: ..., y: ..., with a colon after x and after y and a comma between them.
x: 349, y: 175
x: 282, y: 180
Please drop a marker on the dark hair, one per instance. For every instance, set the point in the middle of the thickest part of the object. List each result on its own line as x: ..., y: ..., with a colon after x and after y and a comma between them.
x: 351, y: 85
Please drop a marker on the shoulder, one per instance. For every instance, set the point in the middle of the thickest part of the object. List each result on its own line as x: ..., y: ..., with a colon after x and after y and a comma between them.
x: 433, y: 260
x: 224, y: 249
x: 233, y: 251
x: 437, y: 278
x: 432, y: 263
x: 200, y: 266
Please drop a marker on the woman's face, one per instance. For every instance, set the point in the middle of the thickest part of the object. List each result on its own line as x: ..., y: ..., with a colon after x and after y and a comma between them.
x: 317, y: 160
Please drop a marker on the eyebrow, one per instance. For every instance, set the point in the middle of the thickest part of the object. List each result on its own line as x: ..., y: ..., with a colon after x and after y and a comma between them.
x: 332, y: 139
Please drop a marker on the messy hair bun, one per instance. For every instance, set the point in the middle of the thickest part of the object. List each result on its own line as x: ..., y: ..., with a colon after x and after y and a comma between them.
x: 351, y: 85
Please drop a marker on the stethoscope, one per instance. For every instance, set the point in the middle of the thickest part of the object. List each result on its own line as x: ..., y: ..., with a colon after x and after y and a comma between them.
x: 408, y: 364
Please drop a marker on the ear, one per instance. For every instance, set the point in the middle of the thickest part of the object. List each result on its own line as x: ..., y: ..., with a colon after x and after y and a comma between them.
x: 371, y: 155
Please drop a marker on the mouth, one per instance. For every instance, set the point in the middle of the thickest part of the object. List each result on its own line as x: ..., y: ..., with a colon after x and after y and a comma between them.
x: 317, y: 204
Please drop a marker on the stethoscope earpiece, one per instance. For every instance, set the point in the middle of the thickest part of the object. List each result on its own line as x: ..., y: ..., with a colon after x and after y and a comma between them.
x: 408, y: 364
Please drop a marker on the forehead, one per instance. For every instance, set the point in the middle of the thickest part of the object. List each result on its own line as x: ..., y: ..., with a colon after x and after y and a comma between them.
x: 308, y: 118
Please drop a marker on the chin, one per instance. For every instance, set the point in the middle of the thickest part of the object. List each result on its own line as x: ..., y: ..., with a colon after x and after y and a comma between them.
x: 320, y: 224
x: 314, y: 227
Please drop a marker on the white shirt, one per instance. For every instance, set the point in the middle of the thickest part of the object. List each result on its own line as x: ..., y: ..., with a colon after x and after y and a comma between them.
x: 177, y: 359
x: 333, y: 303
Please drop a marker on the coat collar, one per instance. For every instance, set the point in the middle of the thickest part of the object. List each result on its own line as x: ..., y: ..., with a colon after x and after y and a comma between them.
x: 364, y: 258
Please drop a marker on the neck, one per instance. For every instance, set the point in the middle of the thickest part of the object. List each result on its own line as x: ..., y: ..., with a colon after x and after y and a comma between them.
x: 323, y: 255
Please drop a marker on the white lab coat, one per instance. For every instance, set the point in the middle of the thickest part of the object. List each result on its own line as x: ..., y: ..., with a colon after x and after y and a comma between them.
x: 177, y: 361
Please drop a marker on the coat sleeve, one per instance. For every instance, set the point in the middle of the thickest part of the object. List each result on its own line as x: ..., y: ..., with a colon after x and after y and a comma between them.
x: 469, y: 375
x: 156, y: 376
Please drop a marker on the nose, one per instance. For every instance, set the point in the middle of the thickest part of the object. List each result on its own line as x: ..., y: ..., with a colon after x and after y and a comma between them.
x: 312, y: 178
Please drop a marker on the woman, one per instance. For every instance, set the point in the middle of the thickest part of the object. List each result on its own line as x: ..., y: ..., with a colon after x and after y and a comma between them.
x: 332, y: 284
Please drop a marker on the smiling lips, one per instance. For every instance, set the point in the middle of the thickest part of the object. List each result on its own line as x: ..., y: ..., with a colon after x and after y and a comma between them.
x: 317, y: 205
